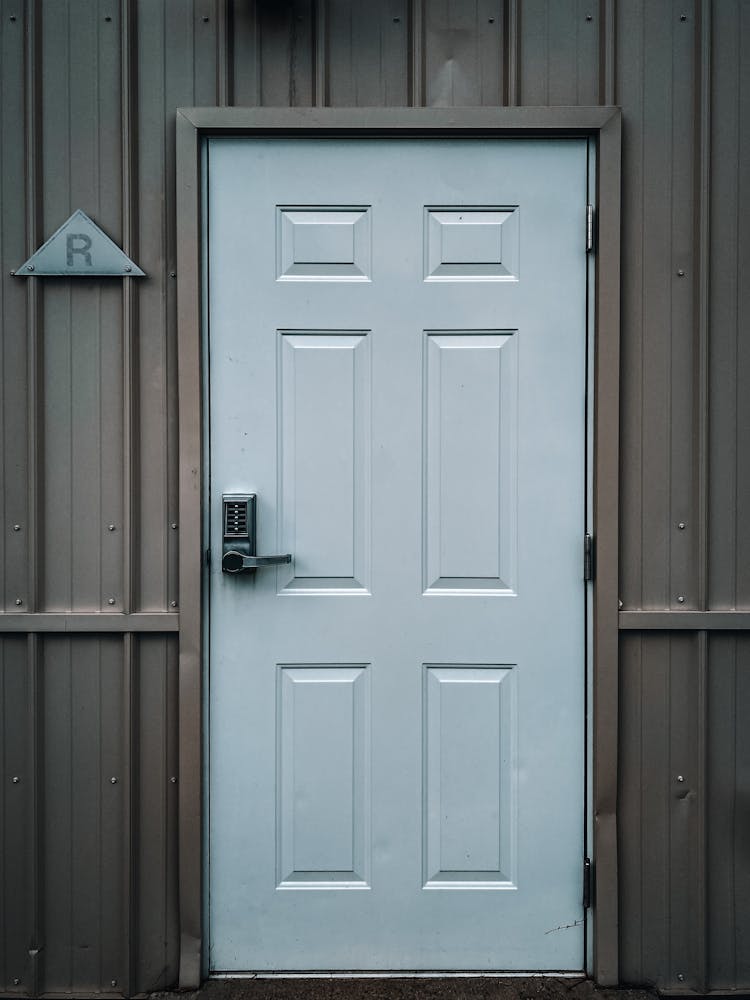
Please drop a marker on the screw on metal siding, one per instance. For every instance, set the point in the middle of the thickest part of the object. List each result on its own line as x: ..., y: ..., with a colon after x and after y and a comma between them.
x: 680, y: 778
x: 205, y: 18
x: 680, y: 599
x: 113, y: 781
x: 683, y: 17
x: 29, y: 267
x: 681, y: 525
x: 16, y: 527
x: 16, y: 982
x: 174, y: 526
x: 110, y: 527
x: 12, y: 17
x: 589, y: 17
x: 107, y: 18
x: 173, y: 604
x: 679, y: 974
x: 16, y: 779
x: 111, y: 600
x: 173, y: 780
x: 680, y: 273
x: 396, y: 20
x: 114, y: 982
x: 19, y: 602
x: 128, y: 267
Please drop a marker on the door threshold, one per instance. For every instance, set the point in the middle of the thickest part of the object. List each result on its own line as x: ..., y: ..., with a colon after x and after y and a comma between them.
x: 437, y: 974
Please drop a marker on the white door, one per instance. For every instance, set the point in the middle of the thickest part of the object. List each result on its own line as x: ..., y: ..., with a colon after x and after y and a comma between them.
x: 397, y: 360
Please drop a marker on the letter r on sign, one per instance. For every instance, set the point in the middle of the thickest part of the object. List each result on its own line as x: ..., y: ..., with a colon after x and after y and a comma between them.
x: 84, y: 245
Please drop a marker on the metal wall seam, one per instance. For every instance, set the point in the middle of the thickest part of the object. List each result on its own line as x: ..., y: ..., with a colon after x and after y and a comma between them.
x: 512, y: 52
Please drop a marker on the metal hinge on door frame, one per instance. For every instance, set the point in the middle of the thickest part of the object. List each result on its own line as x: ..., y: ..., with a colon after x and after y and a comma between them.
x: 589, y: 229
x: 588, y: 878
x: 589, y: 557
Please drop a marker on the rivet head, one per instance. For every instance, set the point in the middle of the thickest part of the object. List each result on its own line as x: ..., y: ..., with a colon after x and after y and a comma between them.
x: 16, y: 527
x: 681, y: 525
x: 113, y: 781
x: 680, y: 273
x: 19, y: 602
x: 111, y: 600
x: 110, y: 527
x: 128, y: 267
x: 15, y: 779
x: 679, y: 974
x: 680, y: 778
x: 680, y: 599
x: 173, y: 780
x: 173, y: 604
x: 172, y: 274
x: 174, y: 526
x: 29, y: 267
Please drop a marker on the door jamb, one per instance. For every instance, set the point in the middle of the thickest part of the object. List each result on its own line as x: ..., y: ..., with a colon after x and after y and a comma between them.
x: 603, y: 126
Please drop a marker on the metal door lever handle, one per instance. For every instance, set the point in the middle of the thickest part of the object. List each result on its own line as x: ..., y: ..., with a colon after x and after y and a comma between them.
x: 236, y: 562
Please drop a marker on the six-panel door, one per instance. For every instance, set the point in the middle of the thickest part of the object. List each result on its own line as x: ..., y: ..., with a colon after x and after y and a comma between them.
x: 397, y: 362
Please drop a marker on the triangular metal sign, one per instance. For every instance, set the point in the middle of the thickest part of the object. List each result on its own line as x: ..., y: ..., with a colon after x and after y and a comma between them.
x: 79, y: 249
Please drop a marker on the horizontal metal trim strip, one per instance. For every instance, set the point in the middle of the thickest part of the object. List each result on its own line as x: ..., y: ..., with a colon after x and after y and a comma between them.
x: 73, y: 621
x: 682, y: 620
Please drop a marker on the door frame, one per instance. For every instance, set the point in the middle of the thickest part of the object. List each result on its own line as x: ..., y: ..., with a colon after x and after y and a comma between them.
x: 602, y: 125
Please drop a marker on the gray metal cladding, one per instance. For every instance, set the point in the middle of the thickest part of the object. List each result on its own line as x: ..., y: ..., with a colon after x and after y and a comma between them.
x: 88, y: 426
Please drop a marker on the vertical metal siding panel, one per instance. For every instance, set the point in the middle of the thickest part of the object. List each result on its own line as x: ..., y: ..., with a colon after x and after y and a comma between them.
x: 17, y: 837
x: 630, y: 806
x: 559, y: 52
x: 245, y: 30
x: 656, y: 88
x: 684, y: 419
x: 463, y: 52
x: 729, y: 785
x: 729, y: 535
x: 287, y: 40
x: 150, y: 500
x: 653, y: 871
x: 661, y: 846
x: 157, y: 931
x: 13, y: 353
x: 368, y: 53
x: 83, y: 811
x: 630, y: 95
x: 723, y: 726
x: 56, y: 485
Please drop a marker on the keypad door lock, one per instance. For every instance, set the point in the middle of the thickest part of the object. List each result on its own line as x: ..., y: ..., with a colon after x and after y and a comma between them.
x: 239, y: 538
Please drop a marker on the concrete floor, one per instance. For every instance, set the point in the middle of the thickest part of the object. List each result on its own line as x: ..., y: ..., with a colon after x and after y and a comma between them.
x: 531, y: 988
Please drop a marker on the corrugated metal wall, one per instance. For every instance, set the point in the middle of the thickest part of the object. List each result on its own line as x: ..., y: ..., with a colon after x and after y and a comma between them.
x: 89, y: 438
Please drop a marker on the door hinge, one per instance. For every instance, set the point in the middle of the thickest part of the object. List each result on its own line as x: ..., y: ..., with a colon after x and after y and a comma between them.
x: 589, y: 229
x: 589, y: 557
x: 587, y: 883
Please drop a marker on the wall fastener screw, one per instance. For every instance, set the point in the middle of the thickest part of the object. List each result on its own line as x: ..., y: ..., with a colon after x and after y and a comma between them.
x: 107, y: 18
x: 679, y: 974
x: 173, y: 780
x: 16, y: 982
x: 172, y: 274
x: 396, y: 20
x: 680, y: 778
x: 174, y: 526
x: 128, y: 267
x: 12, y: 17
x: 680, y: 273
x: 589, y: 17
x: 16, y: 527
x: 113, y: 781
x: 19, y: 602
x: 111, y: 600
x: 681, y: 525
x: 29, y: 267
x: 680, y: 599
x: 683, y: 17
x: 16, y: 780
x: 173, y: 604
x: 114, y: 982
x: 491, y: 20
x: 110, y: 527
x: 205, y: 18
